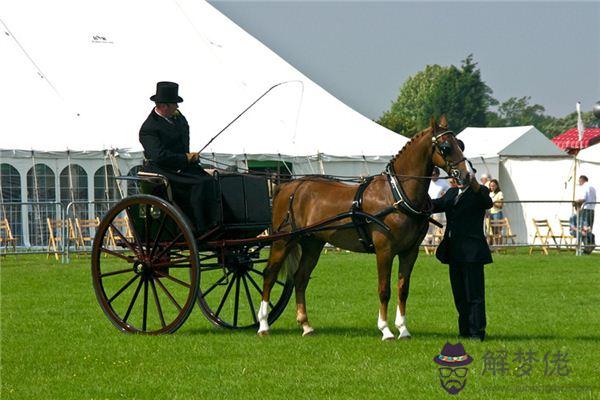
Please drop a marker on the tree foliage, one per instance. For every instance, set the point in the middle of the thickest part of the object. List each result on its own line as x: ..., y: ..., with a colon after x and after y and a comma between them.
x: 459, y: 93
x: 518, y: 112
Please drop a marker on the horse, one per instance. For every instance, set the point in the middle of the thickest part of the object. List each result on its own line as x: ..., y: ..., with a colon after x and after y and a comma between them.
x: 398, y: 196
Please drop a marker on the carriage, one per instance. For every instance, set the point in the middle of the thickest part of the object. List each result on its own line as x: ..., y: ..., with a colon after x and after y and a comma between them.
x: 150, y: 267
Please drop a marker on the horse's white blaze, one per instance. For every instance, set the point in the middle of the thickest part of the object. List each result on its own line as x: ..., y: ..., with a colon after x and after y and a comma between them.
x: 384, y: 328
x: 401, y: 324
x: 263, y: 315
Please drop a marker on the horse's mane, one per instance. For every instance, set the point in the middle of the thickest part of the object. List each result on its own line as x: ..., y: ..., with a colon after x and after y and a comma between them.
x: 408, y: 144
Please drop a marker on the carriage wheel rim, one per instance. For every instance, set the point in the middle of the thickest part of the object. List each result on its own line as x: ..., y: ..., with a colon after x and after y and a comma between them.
x: 148, y: 278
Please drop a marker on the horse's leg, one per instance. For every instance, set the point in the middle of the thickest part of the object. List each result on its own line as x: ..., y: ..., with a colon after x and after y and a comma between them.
x: 384, y: 270
x: 407, y: 262
x: 311, y: 251
x: 279, y: 251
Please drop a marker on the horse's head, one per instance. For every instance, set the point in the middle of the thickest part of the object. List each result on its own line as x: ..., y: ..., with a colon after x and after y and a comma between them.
x: 448, y: 152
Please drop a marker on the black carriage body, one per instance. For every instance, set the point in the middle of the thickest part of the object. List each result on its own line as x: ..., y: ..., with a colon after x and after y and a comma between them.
x: 243, y: 205
x: 239, y: 206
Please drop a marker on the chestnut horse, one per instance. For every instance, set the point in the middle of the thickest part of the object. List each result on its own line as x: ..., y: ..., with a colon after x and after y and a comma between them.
x: 306, y: 201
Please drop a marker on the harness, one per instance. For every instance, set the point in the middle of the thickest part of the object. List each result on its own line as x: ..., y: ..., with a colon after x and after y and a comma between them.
x: 360, y: 219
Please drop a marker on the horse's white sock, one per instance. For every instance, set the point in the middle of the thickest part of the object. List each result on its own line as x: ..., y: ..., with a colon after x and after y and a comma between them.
x: 401, y: 324
x: 385, y: 330
x: 263, y: 315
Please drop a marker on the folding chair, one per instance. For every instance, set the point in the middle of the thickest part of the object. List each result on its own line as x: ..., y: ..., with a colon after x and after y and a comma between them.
x: 56, y: 228
x: 6, y: 236
x: 122, y: 224
x: 543, y: 233
x: 501, y: 234
x: 85, y: 230
x: 566, y: 241
x: 433, y: 239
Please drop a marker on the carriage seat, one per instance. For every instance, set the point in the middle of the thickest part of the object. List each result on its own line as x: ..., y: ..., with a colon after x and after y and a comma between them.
x: 241, y: 202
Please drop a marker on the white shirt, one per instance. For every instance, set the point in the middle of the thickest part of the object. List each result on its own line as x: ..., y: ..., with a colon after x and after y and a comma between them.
x: 587, y: 193
x: 438, y: 188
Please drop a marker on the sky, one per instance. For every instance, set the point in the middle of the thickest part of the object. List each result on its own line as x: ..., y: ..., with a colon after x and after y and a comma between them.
x: 363, y: 51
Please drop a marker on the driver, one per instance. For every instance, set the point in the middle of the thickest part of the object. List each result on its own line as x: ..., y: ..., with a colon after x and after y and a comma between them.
x: 165, y: 136
x: 466, y: 251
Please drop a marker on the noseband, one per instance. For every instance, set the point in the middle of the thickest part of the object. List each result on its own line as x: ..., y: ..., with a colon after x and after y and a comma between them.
x: 445, y: 149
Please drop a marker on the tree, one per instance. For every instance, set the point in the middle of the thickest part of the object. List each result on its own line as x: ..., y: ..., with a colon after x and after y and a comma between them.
x: 459, y: 93
x: 518, y: 112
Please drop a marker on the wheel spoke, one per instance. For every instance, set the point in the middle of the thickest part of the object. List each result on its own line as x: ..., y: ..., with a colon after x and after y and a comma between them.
x: 252, y: 311
x: 157, y: 302
x: 147, y: 230
x: 160, y: 229
x: 129, y: 259
x: 263, y: 275
x: 172, y: 263
x: 145, y: 316
x: 253, y: 282
x: 134, y: 232
x: 133, y: 299
x: 121, y: 271
x: 122, y: 289
x: 225, y: 296
x: 169, y: 295
x: 169, y: 246
x: 123, y: 238
x: 237, y: 302
x: 214, y: 285
x: 182, y: 283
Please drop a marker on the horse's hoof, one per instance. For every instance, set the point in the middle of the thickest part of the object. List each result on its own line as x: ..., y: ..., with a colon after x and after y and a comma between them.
x: 404, y: 337
x: 308, y: 332
x: 388, y: 339
x: 263, y: 333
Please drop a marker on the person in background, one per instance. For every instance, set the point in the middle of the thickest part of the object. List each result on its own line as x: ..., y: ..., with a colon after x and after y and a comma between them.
x: 586, y: 197
x: 438, y: 186
x: 485, y: 180
x: 495, y: 213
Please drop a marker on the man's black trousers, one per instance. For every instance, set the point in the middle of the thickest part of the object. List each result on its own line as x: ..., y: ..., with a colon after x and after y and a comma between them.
x: 468, y: 289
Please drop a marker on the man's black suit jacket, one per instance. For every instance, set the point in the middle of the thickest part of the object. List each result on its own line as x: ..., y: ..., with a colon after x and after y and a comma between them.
x: 165, y: 144
x: 464, y: 240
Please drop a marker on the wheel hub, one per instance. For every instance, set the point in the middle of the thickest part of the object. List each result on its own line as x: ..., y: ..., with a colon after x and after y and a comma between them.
x: 141, y: 268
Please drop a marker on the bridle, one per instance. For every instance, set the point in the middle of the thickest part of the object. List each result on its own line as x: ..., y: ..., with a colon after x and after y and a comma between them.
x: 445, y: 149
x: 401, y: 200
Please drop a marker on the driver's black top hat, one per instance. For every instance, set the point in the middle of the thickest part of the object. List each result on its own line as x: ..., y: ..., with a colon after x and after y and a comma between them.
x: 166, y: 92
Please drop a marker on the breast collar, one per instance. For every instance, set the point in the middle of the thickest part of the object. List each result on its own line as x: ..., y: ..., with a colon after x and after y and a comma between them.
x: 401, y: 200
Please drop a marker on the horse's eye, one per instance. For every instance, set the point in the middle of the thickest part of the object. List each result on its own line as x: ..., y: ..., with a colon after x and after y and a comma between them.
x: 445, y: 148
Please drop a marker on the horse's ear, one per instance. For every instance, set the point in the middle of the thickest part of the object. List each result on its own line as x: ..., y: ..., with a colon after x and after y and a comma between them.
x: 432, y: 124
x: 443, y: 122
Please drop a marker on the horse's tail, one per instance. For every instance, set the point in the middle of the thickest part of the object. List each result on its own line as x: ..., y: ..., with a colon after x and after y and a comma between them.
x: 291, y: 263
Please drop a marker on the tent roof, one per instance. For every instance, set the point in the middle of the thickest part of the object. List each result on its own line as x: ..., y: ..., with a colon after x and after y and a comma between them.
x: 509, y: 141
x: 78, y: 76
x: 590, y: 154
x: 570, y: 138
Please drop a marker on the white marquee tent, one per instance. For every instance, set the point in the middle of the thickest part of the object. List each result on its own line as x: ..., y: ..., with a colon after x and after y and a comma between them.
x: 529, y: 167
x: 77, y: 75
x: 588, y: 164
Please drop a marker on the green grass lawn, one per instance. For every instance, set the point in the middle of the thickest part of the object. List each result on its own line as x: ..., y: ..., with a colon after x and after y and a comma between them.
x: 57, y: 343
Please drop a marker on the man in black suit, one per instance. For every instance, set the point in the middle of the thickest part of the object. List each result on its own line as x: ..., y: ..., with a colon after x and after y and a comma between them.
x: 465, y: 249
x: 165, y: 136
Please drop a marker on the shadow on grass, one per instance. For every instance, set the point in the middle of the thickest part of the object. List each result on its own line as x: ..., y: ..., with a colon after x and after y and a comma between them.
x: 364, y: 332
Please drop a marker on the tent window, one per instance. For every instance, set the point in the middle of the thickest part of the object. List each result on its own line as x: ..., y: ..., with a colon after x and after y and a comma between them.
x: 74, y: 187
x: 105, y: 189
x: 10, y: 192
x: 41, y: 191
x: 132, y: 186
